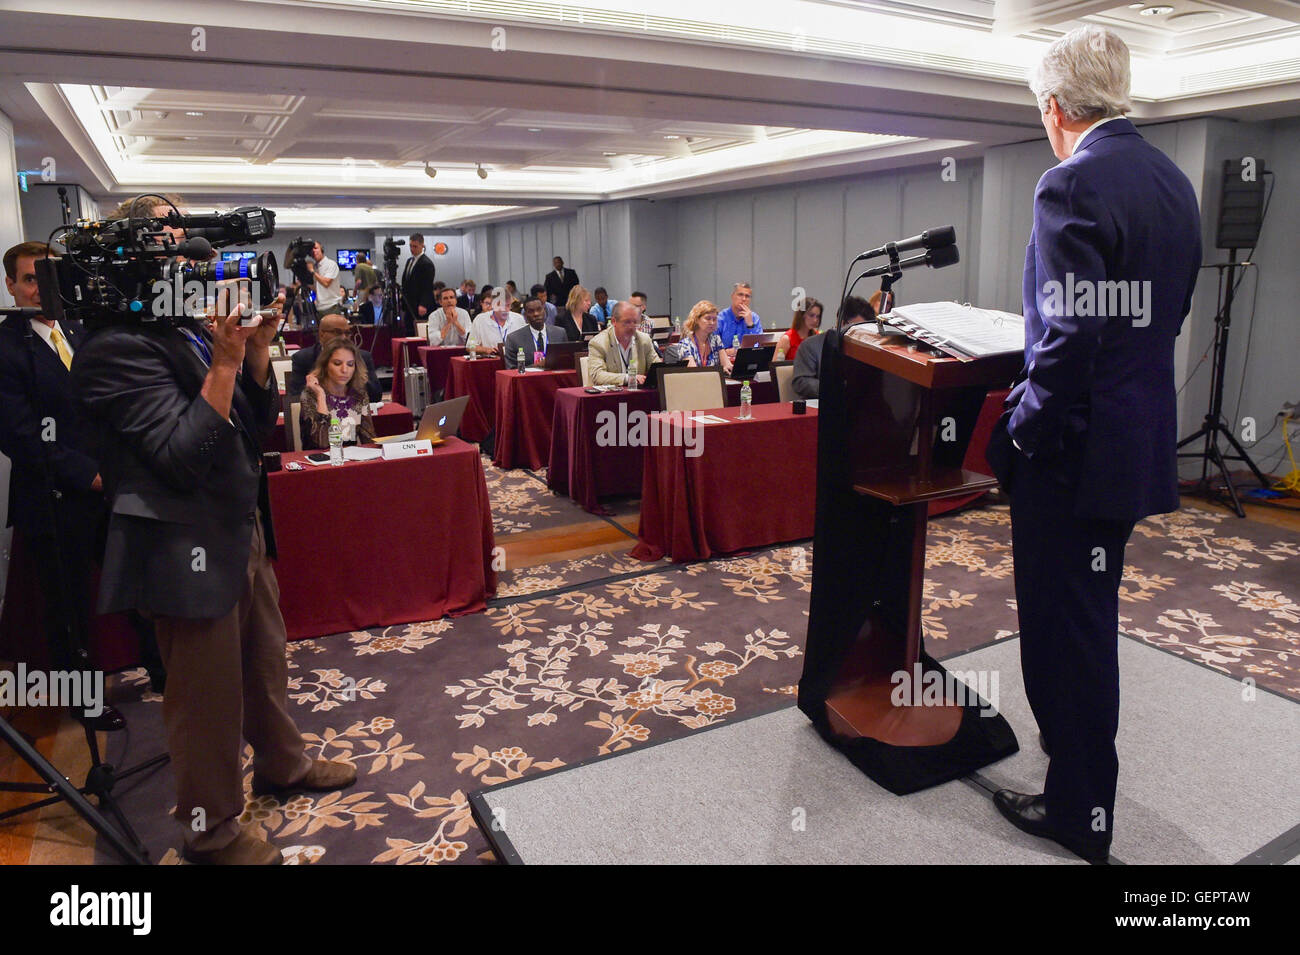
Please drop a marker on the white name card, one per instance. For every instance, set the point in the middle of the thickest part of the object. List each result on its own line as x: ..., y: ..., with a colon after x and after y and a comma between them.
x: 406, y: 449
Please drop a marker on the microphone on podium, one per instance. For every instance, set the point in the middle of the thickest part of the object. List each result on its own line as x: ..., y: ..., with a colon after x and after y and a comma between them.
x: 940, y: 258
x: 938, y: 238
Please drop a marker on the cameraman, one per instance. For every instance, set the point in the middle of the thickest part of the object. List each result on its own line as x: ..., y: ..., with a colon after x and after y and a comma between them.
x: 189, y: 544
x: 329, y: 292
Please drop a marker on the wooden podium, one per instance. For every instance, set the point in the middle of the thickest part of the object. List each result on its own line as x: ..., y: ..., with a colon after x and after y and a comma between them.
x: 894, y: 422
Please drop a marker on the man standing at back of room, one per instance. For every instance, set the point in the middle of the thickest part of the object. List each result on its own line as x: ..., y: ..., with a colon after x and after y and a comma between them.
x: 417, y: 285
x: 559, y: 283
x: 1087, y: 447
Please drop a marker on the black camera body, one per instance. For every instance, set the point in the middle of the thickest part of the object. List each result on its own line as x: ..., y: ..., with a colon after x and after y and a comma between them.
x: 392, y: 252
x: 134, y: 270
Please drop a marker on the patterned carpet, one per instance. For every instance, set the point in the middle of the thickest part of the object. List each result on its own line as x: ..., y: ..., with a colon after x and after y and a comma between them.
x: 595, y: 655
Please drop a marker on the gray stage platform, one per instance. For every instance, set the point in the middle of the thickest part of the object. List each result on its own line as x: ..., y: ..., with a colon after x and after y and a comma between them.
x: 1205, y: 778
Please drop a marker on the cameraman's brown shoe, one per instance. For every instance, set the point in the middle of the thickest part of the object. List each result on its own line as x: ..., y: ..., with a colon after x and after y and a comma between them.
x: 244, y: 850
x: 324, y: 775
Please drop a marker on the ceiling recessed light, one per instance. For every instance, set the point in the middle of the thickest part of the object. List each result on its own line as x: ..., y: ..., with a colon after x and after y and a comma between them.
x: 193, y: 112
x: 534, y: 129
x: 672, y: 137
x: 1156, y: 11
x: 482, y: 173
x: 609, y: 154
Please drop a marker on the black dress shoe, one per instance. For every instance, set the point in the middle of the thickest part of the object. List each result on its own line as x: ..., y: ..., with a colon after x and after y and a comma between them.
x: 108, y: 721
x: 1028, y: 813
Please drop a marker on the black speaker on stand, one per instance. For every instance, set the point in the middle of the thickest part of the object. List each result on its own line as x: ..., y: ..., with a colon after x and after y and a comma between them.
x: 1241, y: 215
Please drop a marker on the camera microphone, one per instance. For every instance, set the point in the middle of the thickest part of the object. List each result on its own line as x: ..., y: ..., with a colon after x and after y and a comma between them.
x: 195, y: 247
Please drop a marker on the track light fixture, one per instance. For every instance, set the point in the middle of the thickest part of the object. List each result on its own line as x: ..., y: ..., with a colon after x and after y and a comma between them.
x: 430, y: 171
x: 482, y: 173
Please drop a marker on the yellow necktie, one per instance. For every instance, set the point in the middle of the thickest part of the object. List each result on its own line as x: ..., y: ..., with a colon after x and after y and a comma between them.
x: 65, y: 356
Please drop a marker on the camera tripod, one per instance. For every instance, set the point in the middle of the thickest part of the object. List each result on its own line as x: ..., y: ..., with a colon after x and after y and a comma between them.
x: 1213, y: 426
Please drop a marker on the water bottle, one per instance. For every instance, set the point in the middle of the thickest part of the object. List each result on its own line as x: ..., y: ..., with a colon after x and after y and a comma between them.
x: 631, y: 370
x: 677, y: 324
x: 336, y: 440
x: 520, y: 361
x: 470, y: 345
x: 735, y: 341
x: 746, y: 396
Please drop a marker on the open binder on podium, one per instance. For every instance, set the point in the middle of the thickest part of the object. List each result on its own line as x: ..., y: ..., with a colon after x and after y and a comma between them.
x: 885, y: 410
x: 960, y: 331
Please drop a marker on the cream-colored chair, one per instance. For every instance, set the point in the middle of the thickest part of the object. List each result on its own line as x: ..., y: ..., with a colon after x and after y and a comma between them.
x: 784, y: 373
x: 691, y: 389
x: 292, y: 426
x: 422, y: 330
x: 281, y: 368
x: 583, y: 373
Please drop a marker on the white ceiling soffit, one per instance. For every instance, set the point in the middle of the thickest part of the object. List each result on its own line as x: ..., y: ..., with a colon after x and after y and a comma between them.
x: 1196, y: 47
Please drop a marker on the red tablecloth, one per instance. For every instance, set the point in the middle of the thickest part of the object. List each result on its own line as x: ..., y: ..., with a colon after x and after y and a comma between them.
x: 404, y: 354
x: 583, y: 469
x: 753, y: 484
x: 298, y: 337
x: 378, y: 340
x: 390, y: 419
x: 975, y: 459
x: 394, y: 552
x: 524, y: 409
x: 478, y: 379
x: 114, y: 643
x: 764, y: 392
x: 437, y: 360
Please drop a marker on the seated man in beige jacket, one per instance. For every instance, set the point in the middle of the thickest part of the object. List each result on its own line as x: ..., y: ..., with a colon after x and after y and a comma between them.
x: 620, y: 347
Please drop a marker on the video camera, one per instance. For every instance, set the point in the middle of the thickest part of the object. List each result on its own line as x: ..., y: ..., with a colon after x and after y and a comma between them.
x: 296, y: 258
x: 135, y: 270
x: 392, y: 252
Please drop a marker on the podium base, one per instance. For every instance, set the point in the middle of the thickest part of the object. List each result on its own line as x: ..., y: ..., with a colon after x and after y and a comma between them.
x: 907, y: 749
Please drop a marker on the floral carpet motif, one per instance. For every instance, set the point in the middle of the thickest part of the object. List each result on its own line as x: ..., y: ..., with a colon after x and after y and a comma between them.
x: 599, y: 654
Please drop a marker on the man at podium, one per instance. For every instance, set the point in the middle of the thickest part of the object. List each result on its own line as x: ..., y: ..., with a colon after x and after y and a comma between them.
x: 1087, y: 447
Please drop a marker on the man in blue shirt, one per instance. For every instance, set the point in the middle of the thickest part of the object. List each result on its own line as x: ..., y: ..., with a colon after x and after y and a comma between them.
x: 738, y: 321
x: 604, y: 307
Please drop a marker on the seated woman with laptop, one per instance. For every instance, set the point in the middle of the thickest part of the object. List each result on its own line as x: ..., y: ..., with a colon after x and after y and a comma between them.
x: 700, y: 347
x: 336, y: 387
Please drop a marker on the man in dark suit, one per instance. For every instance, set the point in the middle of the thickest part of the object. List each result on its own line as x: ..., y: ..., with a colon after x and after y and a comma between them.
x: 190, y: 543
x: 468, y: 299
x: 1088, y: 445
x: 530, y: 336
x: 559, y: 283
x: 56, y: 501
x: 417, y: 285
x: 304, y: 360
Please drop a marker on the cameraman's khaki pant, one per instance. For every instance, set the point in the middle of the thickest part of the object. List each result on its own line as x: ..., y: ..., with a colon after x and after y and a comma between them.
x: 228, y: 678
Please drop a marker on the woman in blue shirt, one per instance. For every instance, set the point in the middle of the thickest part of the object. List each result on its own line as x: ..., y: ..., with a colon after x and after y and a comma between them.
x: 700, y: 345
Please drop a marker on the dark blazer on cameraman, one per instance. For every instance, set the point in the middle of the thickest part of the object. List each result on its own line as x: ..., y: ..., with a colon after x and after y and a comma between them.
x: 417, y: 287
x: 304, y: 360
x: 34, y: 386
x: 184, y: 483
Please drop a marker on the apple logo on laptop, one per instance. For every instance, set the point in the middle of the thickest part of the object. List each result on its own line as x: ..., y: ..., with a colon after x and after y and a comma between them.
x: 442, y: 421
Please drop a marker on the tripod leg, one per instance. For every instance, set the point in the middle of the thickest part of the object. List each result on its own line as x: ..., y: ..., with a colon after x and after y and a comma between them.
x: 1227, y: 480
x: 70, y: 794
x: 1241, y: 453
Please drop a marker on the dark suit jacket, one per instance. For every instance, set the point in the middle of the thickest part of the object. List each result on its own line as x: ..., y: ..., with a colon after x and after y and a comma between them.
x: 417, y: 288
x: 470, y: 305
x: 304, y: 360
x: 526, y: 339
x: 184, y: 484
x: 25, y: 402
x: 557, y: 289
x: 808, y: 367
x: 1097, y: 403
x: 565, y: 321
x: 366, y: 315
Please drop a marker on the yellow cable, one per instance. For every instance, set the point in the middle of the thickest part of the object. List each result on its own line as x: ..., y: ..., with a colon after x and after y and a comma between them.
x: 1291, y: 482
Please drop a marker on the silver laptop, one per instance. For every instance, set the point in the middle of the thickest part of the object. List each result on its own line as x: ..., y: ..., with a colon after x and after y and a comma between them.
x: 440, y: 421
